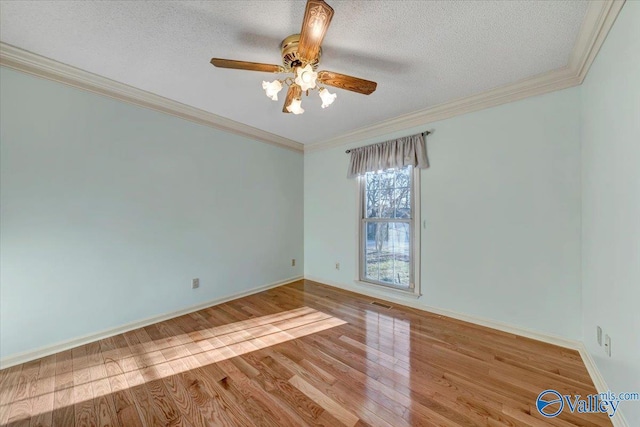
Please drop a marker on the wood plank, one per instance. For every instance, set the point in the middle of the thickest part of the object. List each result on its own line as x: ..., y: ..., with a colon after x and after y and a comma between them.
x: 300, y: 354
x: 8, y: 384
x: 43, y: 393
x: 334, y: 408
x: 63, y: 409
x: 19, y: 409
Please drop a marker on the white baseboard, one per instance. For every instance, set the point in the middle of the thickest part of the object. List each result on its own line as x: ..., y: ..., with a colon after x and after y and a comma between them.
x: 414, y: 303
x: 75, y: 342
x: 618, y: 419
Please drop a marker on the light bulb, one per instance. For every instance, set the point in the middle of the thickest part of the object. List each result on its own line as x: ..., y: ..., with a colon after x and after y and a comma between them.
x: 306, y: 77
x: 272, y: 89
x: 327, y: 98
x: 295, y: 107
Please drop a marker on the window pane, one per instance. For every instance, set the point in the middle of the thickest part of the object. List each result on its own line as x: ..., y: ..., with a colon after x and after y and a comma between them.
x: 387, y: 255
x: 402, y: 202
x: 388, y: 193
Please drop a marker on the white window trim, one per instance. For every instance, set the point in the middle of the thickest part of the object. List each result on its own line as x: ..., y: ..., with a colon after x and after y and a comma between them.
x: 416, y: 225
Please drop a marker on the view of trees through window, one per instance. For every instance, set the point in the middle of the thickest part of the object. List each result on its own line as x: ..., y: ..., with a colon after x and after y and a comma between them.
x: 387, y: 227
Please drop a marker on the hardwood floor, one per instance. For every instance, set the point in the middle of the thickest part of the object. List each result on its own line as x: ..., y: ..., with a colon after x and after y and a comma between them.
x: 300, y: 354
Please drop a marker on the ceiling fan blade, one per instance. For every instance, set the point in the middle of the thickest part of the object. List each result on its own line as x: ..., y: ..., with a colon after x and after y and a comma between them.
x: 342, y: 81
x: 244, y: 65
x: 294, y: 92
x: 317, y: 17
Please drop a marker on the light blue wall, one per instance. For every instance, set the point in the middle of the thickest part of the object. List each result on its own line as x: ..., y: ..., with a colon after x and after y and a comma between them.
x: 501, y: 203
x: 611, y: 205
x: 109, y: 210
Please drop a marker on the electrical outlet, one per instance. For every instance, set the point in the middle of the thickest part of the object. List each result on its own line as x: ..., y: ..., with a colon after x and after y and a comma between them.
x: 195, y: 283
x: 337, y: 266
x: 607, y: 345
x: 293, y: 262
x: 599, y: 335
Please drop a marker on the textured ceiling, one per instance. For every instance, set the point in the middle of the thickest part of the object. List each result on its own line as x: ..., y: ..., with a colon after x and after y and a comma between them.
x: 421, y: 53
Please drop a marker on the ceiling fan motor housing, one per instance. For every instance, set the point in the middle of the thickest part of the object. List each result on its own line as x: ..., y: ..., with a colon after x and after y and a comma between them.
x: 290, y: 57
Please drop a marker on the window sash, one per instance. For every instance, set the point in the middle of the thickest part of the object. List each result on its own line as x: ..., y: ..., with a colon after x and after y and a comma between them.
x: 363, y: 255
x: 414, y: 257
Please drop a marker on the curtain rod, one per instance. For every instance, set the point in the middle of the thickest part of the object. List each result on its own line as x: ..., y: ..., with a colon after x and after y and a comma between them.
x: 426, y: 132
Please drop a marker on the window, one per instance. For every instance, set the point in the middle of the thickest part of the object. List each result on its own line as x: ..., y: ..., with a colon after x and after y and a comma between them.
x: 388, y: 234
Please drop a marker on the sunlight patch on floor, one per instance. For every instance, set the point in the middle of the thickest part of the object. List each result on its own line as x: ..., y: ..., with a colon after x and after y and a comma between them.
x: 90, y: 376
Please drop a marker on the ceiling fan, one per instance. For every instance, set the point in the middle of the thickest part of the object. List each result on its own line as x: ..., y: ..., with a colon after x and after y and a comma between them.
x: 300, y: 56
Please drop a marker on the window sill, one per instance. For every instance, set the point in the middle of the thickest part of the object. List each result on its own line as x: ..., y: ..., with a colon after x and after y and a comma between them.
x: 392, y: 291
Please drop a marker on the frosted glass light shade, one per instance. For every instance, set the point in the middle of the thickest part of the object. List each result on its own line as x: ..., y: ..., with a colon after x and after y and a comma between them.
x: 306, y: 77
x: 327, y: 98
x: 295, y: 107
x: 272, y: 89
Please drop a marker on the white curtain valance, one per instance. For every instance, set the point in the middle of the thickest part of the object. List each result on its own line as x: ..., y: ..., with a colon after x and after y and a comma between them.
x: 397, y: 153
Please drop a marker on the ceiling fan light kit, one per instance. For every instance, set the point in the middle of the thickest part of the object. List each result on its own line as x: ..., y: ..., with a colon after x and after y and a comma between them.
x: 306, y: 77
x: 295, y: 106
x: 272, y: 89
x: 327, y: 98
x: 300, y: 57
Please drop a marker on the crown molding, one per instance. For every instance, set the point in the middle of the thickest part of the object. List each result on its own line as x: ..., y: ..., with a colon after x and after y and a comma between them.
x: 537, y: 85
x: 31, y: 63
x: 596, y: 24
x: 598, y: 20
